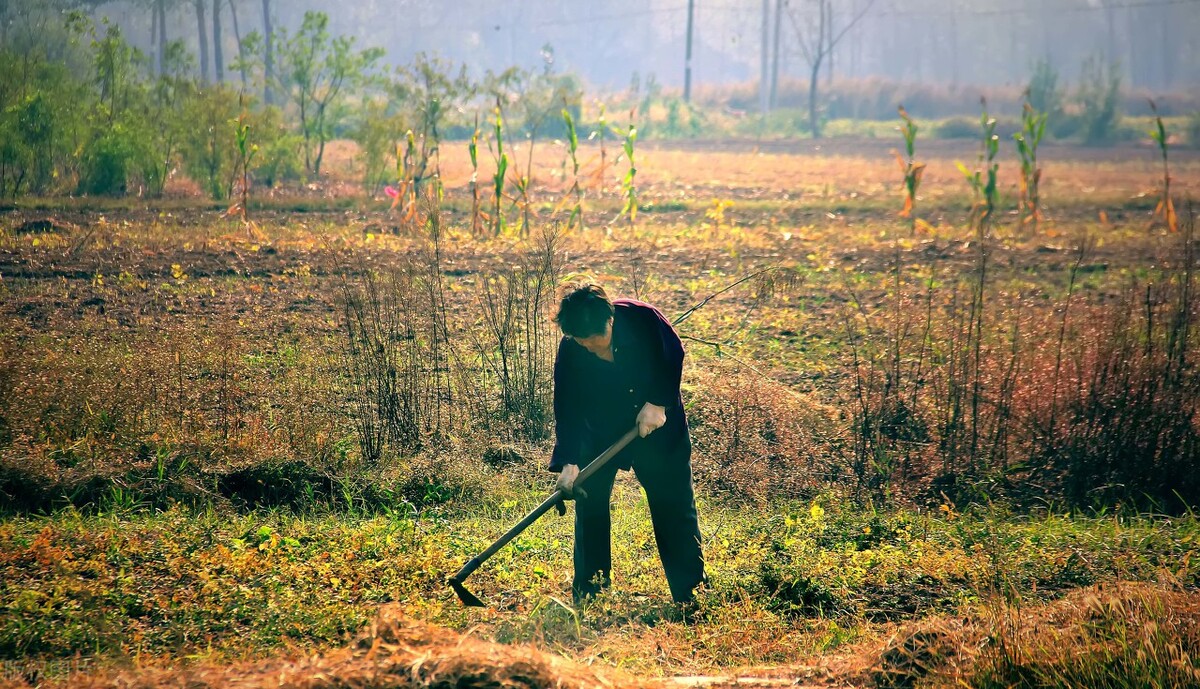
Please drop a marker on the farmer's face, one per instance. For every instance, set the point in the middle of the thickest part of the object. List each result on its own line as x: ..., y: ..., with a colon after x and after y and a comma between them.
x: 601, y: 344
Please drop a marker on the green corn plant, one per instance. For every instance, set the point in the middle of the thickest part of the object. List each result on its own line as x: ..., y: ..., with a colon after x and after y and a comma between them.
x: 912, y: 170
x: 1033, y: 127
x: 575, y: 191
x: 245, y: 152
x: 1166, y: 207
x: 477, y: 215
x: 628, y: 186
x: 406, y: 182
x: 501, y: 171
x: 982, y: 179
x: 522, y: 203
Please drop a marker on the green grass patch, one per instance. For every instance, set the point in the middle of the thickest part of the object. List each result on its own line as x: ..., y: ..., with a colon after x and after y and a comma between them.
x: 228, y: 585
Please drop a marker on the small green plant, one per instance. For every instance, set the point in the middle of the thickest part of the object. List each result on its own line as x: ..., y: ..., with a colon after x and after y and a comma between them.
x: 246, y: 152
x: 278, y: 156
x: 521, y: 183
x: 478, y: 216
x: 983, y: 179
x: 716, y: 212
x: 108, y: 160
x: 911, y: 169
x: 209, y: 145
x: 375, y: 136
x: 576, y: 191
x: 405, y: 194
x: 983, y: 184
x: 1166, y: 207
x: 1099, y: 92
x: 1043, y: 92
x: 501, y: 171
x: 628, y: 185
x: 1033, y: 127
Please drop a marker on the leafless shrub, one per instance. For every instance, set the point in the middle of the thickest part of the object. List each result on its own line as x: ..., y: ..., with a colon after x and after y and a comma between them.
x: 515, y: 340
x: 1121, y: 420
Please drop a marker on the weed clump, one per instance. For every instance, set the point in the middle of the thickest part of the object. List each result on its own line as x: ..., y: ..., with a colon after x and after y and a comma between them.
x: 428, y: 480
x: 1124, y: 636
x: 287, y: 483
x: 1127, y: 635
x: 755, y: 439
x: 793, y: 594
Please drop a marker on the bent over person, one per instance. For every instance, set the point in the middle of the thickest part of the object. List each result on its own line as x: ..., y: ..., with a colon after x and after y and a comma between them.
x: 619, y: 363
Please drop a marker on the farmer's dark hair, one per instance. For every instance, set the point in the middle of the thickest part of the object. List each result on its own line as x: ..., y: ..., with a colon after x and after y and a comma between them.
x: 584, y: 311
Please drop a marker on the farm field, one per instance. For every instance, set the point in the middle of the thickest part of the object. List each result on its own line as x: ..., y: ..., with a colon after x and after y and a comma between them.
x: 932, y: 455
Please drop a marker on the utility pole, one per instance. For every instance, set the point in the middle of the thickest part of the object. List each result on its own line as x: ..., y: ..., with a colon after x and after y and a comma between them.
x: 268, y: 54
x: 773, y: 100
x: 763, y: 95
x: 687, y: 63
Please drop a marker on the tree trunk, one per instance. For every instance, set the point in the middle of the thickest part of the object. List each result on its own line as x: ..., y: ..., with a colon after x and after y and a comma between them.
x: 268, y: 54
x: 814, y: 122
x: 320, y: 120
x: 774, y: 99
x: 218, y: 51
x: 237, y: 36
x: 163, y: 43
x: 687, y: 62
x: 153, y: 25
x: 307, y: 134
x: 764, y: 100
x: 954, y: 53
x: 203, y: 38
x: 827, y: 23
x: 856, y: 52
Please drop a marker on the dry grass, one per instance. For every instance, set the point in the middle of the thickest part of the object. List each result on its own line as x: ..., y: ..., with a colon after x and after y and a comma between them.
x: 1116, y: 635
x: 759, y: 440
x: 395, y: 652
x: 137, y: 307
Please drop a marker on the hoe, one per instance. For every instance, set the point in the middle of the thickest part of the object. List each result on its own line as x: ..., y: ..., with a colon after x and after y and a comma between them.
x: 555, y: 500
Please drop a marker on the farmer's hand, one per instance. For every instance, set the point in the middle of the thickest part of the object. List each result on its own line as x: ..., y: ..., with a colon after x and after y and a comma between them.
x: 566, y: 482
x: 651, y: 418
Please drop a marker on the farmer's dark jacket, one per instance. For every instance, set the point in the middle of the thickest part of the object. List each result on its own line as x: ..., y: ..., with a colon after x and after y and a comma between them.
x: 596, y: 401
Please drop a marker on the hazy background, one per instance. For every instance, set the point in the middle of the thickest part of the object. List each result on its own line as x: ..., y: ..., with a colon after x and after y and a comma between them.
x: 613, y: 42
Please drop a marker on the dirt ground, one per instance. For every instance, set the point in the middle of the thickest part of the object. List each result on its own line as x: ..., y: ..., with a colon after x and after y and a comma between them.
x: 792, y: 200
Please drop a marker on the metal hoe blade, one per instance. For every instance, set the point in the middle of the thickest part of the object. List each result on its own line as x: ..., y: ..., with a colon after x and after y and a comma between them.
x: 468, y: 599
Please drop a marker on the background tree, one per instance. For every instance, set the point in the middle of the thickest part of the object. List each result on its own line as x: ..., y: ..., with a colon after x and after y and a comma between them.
x: 428, y: 90
x: 313, y: 72
x: 817, y: 37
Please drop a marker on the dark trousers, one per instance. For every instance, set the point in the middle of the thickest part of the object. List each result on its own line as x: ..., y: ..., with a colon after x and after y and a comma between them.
x: 667, y: 481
